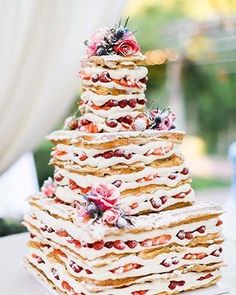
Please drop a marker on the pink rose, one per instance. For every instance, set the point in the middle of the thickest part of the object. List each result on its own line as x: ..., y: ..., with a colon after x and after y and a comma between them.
x: 111, y: 216
x: 104, y: 196
x: 49, y: 187
x: 127, y: 47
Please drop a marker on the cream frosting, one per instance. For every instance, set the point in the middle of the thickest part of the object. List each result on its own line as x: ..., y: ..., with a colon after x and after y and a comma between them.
x: 128, y: 181
x: 97, y: 138
x: 148, y: 266
x: 140, y: 153
x: 94, y: 232
x: 159, y: 283
x: 137, y: 73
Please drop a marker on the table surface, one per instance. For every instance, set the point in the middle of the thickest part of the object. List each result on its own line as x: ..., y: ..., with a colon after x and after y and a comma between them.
x: 15, y: 280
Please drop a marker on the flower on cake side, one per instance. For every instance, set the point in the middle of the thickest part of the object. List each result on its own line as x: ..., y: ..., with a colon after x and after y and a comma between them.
x: 48, y: 188
x: 117, y: 40
x: 156, y: 119
x: 101, y: 206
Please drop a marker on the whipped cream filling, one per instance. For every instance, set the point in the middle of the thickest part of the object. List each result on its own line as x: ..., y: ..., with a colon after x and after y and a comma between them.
x: 137, y: 73
x: 140, y: 153
x: 100, y: 100
x: 128, y: 181
x: 57, y: 274
x: 87, y: 235
x: 113, y: 111
x: 157, y: 265
x: 75, y: 136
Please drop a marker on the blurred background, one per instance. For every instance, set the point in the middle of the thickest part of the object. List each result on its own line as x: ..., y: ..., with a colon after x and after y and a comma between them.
x: 191, y: 52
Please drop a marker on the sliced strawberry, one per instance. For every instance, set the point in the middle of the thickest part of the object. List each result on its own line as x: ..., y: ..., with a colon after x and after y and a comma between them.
x: 91, y: 128
x: 66, y: 286
x: 83, y: 156
x: 62, y: 233
x: 58, y: 153
x: 84, y: 76
x: 73, y: 185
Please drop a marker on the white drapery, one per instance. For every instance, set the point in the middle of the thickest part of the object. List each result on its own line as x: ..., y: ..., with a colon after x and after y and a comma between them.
x: 41, y: 44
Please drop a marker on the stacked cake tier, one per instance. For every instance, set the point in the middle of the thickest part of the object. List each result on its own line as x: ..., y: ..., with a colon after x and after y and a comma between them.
x: 166, y: 249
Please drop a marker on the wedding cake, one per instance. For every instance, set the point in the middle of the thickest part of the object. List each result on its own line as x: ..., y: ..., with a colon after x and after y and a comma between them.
x: 120, y: 216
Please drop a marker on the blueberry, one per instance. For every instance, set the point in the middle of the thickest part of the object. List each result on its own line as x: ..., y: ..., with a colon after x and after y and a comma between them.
x: 101, y: 51
x: 119, y: 33
x: 92, y: 208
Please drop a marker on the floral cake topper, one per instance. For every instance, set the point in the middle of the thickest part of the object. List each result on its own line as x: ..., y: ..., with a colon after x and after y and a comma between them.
x: 117, y: 40
x: 101, y: 205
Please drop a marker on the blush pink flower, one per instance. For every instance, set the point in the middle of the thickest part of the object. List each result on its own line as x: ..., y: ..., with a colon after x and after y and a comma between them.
x: 49, y: 187
x: 167, y: 122
x: 95, y: 40
x: 127, y: 47
x: 111, y: 216
x: 104, y: 196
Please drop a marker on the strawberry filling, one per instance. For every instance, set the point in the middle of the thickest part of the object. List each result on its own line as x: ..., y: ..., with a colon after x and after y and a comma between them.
x: 104, y: 77
x: 126, y: 268
x: 132, y: 103
x: 141, y: 292
x: 174, y: 284
x: 189, y: 235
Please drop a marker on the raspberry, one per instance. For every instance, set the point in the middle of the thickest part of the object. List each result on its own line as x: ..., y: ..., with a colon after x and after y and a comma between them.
x: 108, y: 154
x: 185, y: 171
x: 132, y: 103
x: 172, y: 176
x: 181, y: 235
x: 219, y: 222
x: 181, y: 283
x: 123, y: 103
x: 98, y: 245
x: 132, y: 244
x: 188, y: 235
x: 156, y: 203
x: 58, y: 177
x: 172, y: 285
x: 141, y: 101
x: 95, y: 78
x: 119, y: 153
x: 111, y: 123
x: 127, y: 155
x: 109, y: 245
x: 163, y: 199
x: 117, y: 183
x: 127, y: 120
x: 105, y: 77
x: 201, y: 229
x: 120, y: 245
x: 112, y: 103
